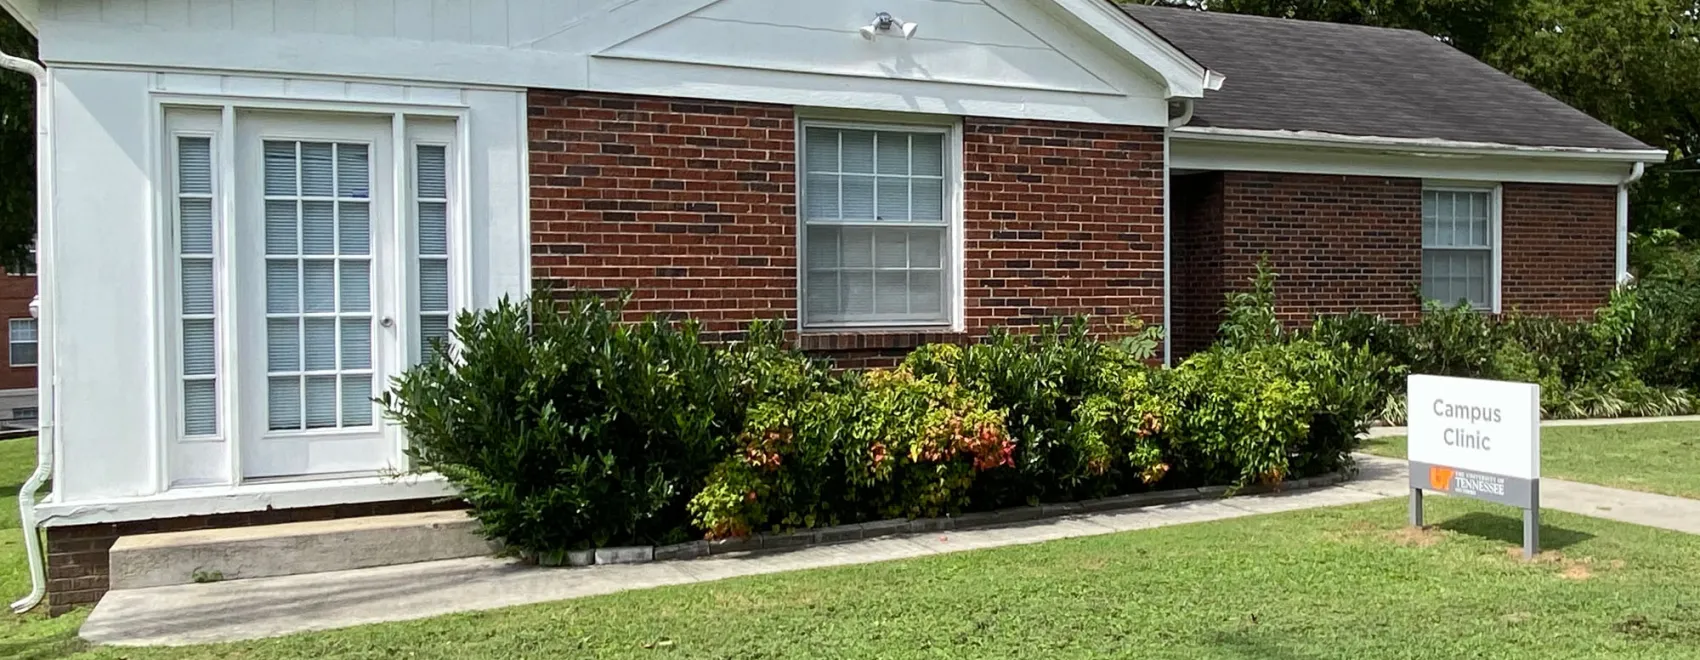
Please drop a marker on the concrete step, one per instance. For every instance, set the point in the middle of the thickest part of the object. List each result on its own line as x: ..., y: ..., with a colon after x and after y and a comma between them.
x: 214, y: 555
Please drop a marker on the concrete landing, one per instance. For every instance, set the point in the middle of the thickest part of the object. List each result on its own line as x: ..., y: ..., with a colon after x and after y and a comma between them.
x: 216, y: 555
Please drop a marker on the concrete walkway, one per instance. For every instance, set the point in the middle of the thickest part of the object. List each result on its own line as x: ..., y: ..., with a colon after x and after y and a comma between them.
x: 265, y: 607
x: 1391, y: 431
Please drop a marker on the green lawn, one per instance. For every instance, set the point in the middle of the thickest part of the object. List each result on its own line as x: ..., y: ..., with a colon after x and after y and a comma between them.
x: 1657, y: 458
x: 1346, y: 583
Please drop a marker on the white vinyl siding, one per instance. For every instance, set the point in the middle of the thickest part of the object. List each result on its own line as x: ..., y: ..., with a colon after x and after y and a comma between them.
x: 21, y: 342
x: 198, y: 288
x: 318, y: 236
x: 1460, y: 244
x: 876, y: 226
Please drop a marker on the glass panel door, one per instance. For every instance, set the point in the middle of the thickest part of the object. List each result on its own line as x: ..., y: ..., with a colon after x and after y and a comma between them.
x: 317, y: 225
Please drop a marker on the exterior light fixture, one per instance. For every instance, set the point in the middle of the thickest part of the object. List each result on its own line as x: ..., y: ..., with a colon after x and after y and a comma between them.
x: 883, y: 23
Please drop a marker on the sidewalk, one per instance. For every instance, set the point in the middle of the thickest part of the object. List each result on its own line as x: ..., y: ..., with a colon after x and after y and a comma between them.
x: 1391, y: 431
x: 265, y: 607
x: 248, y: 609
x: 1650, y: 509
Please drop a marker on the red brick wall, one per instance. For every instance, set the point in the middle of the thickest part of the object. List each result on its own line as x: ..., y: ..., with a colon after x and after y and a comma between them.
x: 16, y: 291
x: 1195, y: 203
x: 1560, y: 254
x: 1342, y: 243
x: 1337, y: 244
x: 1062, y: 219
x: 692, y: 205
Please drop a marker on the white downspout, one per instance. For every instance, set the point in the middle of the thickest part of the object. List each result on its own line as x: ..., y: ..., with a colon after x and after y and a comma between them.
x: 42, y: 308
x: 1635, y: 174
x: 1175, y: 121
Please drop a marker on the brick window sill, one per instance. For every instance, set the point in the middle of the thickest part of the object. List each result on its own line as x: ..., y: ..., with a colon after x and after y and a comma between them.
x: 863, y: 340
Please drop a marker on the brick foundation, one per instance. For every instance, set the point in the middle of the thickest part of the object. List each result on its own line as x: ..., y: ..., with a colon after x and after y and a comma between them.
x: 77, y: 562
x: 691, y: 205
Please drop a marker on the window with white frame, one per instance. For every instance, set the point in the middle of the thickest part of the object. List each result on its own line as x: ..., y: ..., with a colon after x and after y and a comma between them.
x: 312, y: 259
x: 21, y: 341
x: 876, y: 225
x: 1460, y: 244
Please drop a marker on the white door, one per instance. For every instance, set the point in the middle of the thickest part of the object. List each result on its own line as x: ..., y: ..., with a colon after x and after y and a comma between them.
x: 315, y: 229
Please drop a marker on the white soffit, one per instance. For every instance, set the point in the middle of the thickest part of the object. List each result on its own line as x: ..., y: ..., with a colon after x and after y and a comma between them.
x: 1203, y: 149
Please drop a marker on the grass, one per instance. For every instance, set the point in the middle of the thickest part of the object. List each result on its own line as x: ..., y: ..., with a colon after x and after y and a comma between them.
x: 1656, y: 458
x: 1345, y: 583
x: 30, y: 636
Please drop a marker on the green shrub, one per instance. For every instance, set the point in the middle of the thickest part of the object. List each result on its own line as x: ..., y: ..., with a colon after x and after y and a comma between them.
x: 564, y: 428
x: 1039, y: 380
x: 884, y: 444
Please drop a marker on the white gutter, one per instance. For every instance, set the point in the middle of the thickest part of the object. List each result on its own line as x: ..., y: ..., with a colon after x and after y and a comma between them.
x: 43, y: 307
x: 1635, y: 174
x: 1417, y: 146
x: 1185, y: 116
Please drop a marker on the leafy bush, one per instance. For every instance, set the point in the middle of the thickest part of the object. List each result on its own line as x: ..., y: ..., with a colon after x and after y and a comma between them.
x: 885, y: 444
x: 1639, y: 355
x: 1039, y: 380
x: 564, y: 428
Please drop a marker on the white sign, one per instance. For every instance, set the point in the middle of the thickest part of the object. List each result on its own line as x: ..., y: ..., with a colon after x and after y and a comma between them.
x: 1485, y: 426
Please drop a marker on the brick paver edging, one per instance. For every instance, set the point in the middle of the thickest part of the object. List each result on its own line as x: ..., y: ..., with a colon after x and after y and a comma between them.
x: 868, y: 530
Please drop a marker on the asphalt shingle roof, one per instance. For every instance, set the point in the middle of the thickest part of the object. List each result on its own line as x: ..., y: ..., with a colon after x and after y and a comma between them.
x: 1355, y: 80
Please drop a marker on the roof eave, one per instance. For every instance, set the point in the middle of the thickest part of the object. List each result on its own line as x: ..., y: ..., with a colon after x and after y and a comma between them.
x: 17, y: 8
x: 1415, y: 146
x: 1184, y: 76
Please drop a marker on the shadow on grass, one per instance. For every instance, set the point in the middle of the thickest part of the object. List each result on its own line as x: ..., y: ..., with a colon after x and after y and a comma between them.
x: 58, y: 645
x: 1509, y: 529
x: 1242, y: 644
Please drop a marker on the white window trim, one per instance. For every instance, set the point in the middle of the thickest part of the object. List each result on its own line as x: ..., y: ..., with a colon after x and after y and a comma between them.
x: 11, y: 341
x: 1495, y: 193
x: 955, y: 250
x: 218, y: 455
x: 193, y: 125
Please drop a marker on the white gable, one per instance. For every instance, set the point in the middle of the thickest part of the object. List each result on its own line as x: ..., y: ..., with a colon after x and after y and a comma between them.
x: 1037, y: 59
x: 961, y: 43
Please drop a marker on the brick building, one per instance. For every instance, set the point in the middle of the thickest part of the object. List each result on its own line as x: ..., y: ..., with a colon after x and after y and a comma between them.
x: 246, y: 246
x: 17, y: 372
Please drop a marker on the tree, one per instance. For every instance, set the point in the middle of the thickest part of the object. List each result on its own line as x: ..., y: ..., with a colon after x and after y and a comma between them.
x: 17, y: 149
x: 1630, y: 63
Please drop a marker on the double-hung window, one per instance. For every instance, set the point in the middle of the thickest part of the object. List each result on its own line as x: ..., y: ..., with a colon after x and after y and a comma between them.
x: 876, y: 226
x: 311, y: 263
x: 1460, y: 246
x: 21, y: 342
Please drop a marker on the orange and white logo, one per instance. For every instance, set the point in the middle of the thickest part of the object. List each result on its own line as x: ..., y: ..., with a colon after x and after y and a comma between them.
x: 1440, y: 478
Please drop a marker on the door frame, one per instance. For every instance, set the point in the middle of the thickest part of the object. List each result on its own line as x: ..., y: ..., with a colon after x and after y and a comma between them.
x: 217, y: 463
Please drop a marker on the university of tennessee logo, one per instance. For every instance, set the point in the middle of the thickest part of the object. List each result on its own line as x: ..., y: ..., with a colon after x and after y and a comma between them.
x: 1440, y: 478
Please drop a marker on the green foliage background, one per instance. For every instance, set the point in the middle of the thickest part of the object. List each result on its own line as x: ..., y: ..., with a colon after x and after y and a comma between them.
x: 17, y: 147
